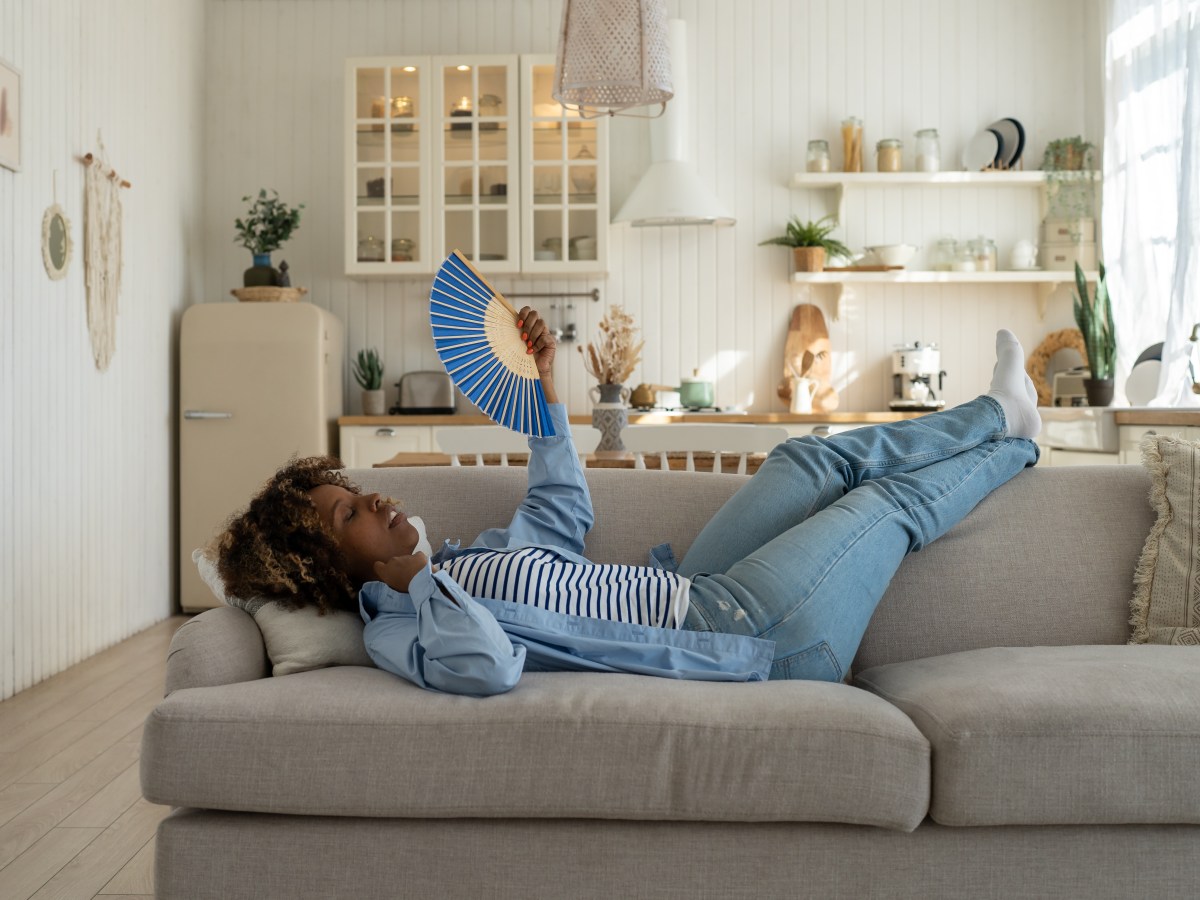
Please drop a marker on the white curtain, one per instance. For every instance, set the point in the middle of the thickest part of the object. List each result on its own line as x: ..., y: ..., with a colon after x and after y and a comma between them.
x: 1151, y: 214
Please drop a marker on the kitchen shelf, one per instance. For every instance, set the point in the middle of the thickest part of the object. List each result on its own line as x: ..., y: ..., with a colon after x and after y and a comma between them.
x: 1045, y: 280
x: 839, y: 181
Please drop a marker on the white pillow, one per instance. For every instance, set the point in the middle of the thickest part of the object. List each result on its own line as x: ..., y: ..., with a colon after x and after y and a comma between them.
x: 296, y: 639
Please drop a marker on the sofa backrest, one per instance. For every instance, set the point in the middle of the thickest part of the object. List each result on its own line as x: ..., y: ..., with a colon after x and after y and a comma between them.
x: 1047, y: 559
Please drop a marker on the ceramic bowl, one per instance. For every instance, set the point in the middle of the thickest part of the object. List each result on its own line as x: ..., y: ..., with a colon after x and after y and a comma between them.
x: 893, y: 254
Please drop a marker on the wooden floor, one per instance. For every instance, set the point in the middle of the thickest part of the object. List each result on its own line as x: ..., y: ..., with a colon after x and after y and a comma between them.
x: 73, y: 823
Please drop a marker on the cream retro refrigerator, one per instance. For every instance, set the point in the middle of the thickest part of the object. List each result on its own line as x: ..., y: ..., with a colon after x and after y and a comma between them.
x: 258, y: 384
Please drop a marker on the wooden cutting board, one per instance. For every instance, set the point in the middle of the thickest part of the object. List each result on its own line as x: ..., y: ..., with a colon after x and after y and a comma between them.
x: 808, y: 334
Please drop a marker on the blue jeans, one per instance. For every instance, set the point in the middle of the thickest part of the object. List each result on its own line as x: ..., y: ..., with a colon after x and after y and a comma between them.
x: 804, y: 552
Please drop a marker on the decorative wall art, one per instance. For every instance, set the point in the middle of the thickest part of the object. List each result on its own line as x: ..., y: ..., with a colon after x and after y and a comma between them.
x: 57, y: 245
x: 102, y: 254
x: 10, y: 117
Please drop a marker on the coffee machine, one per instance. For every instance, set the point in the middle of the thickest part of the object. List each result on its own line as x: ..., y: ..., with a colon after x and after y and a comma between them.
x: 915, y: 368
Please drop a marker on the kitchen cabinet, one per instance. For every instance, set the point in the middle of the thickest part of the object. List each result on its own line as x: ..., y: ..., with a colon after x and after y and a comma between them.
x: 1131, y: 438
x: 1045, y: 281
x: 363, y: 446
x: 470, y: 153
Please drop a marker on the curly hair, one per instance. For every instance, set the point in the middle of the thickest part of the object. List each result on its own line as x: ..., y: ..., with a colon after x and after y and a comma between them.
x: 280, y: 549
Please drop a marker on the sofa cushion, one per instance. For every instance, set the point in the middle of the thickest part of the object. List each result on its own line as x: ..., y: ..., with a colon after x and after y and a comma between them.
x: 351, y: 741
x: 1166, y: 597
x: 1056, y: 735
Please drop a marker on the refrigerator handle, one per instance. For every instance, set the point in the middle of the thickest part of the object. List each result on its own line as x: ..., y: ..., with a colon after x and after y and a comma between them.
x: 205, y: 414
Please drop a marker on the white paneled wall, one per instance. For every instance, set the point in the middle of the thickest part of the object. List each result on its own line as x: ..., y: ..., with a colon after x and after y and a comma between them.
x: 766, y: 76
x: 86, y: 459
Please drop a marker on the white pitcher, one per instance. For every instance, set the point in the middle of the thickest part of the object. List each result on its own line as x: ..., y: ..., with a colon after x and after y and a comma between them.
x: 803, y: 391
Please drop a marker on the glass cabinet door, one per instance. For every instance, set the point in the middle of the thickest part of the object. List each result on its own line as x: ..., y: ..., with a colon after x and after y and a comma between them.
x: 388, y: 223
x: 476, y: 151
x: 565, y: 210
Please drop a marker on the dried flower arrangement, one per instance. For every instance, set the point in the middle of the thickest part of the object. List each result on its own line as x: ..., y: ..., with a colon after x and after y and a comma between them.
x: 613, y: 358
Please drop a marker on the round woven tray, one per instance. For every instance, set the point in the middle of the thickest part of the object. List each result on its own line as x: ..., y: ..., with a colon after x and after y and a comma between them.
x: 269, y: 294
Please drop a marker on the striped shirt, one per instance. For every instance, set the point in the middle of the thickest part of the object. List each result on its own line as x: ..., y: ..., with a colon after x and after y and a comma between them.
x: 539, y: 577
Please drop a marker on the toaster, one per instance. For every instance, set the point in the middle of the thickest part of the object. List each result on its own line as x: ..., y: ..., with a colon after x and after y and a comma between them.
x: 425, y: 393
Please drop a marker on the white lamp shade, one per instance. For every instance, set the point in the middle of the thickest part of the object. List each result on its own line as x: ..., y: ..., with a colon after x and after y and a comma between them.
x: 613, y: 55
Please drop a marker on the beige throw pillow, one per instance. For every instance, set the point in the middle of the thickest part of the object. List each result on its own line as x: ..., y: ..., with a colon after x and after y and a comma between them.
x: 1166, y: 595
x: 296, y: 639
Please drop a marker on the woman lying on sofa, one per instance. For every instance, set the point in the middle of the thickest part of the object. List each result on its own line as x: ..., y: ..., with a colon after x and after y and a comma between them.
x: 781, y: 583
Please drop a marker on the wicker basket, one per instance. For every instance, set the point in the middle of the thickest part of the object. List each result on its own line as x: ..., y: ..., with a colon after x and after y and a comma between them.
x: 269, y: 294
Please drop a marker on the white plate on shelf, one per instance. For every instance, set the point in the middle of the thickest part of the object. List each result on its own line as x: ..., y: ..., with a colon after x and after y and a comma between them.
x: 1142, y: 384
x: 982, y: 150
x: 1012, y: 141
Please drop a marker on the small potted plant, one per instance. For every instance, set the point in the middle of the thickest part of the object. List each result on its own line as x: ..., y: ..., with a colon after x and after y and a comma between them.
x: 1094, y: 317
x: 810, y: 243
x: 1072, y: 154
x: 368, y: 372
x: 268, y: 223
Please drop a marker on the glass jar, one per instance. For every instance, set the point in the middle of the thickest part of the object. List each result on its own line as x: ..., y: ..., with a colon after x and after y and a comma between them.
x: 818, y: 156
x: 929, y: 150
x: 852, y: 144
x: 964, y: 258
x: 370, y: 249
x: 888, y: 155
x: 944, y: 252
x: 984, y: 250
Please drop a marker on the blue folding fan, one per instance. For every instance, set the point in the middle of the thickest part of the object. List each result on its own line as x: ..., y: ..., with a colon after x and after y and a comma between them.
x: 476, y: 336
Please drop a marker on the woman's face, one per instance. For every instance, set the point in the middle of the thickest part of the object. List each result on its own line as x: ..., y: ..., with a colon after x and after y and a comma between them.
x: 367, y: 529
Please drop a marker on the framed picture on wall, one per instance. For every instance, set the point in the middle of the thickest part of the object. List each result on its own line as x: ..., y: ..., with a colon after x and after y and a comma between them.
x: 10, y: 117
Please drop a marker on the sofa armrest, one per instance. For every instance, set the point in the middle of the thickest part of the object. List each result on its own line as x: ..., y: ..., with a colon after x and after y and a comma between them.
x: 219, y: 646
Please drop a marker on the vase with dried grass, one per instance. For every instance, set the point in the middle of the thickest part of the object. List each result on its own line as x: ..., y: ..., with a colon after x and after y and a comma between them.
x: 611, y: 360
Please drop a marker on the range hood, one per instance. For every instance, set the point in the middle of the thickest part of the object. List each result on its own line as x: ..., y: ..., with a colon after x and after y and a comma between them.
x: 670, y: 192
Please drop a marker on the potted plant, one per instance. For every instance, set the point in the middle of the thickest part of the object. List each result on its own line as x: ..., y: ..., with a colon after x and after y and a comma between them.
x: 1093, y: 315
x: 368, y: 372
x: 810, y: 243
x: 268, y: 223
x: 1072, y: 154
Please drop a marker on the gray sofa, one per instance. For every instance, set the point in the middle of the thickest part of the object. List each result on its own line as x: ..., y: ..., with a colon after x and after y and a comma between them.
x: 1000, y: 739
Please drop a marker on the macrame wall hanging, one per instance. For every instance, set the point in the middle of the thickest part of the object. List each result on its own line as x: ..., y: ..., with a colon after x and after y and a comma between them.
x: 102, y: 254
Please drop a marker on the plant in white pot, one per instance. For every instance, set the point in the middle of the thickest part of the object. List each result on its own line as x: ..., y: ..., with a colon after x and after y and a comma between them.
x: 368, y: 372
x: 810, y: 243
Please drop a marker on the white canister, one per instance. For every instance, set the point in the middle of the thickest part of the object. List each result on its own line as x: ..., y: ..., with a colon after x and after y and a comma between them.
x: 1023, y: 256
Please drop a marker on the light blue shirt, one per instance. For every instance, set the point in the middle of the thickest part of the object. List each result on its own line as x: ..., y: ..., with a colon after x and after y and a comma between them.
x: 441, y: 638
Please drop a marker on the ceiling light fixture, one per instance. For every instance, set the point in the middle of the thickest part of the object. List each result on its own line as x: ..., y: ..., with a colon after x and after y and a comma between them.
x: 613, y: 57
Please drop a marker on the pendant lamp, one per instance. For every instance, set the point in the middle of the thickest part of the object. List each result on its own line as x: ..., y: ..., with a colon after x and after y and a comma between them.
x: 613, y: 57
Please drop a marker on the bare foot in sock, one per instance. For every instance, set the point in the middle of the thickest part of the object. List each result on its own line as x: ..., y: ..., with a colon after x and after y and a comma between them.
x: 1013, y: 389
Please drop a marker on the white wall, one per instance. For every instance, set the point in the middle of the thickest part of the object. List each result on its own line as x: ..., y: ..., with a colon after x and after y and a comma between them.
x: 86, y: 459
x: 766, y: 76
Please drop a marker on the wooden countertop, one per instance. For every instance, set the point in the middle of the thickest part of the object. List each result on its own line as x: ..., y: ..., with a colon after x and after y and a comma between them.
x: 654, y: 418
x: 1151, y: 416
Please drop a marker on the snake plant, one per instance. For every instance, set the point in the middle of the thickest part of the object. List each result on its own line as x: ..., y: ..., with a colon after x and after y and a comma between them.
x: 1094, y: 317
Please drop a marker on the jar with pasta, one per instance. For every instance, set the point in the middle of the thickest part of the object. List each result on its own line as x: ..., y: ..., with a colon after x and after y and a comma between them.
x: 852, y: 131
x: 888, y: 155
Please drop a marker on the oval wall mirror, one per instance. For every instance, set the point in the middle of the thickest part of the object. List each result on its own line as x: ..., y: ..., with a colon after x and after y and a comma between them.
x: 56, y: 242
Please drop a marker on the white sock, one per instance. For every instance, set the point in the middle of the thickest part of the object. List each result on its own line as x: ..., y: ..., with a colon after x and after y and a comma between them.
x: 1013, y: 389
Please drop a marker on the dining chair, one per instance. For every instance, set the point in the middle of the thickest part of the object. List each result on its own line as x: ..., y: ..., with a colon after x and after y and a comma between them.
x: 714, y: 438
x: 476, y: 440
